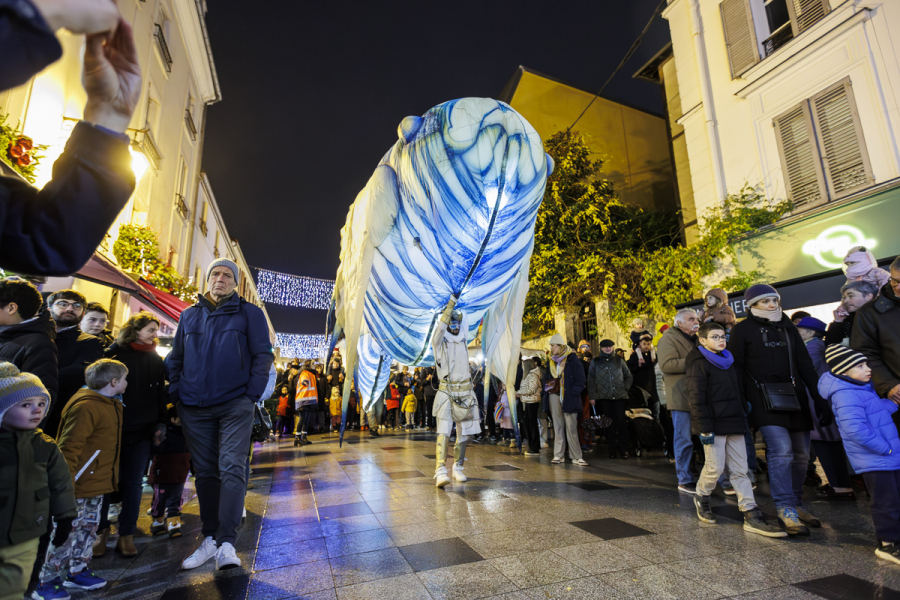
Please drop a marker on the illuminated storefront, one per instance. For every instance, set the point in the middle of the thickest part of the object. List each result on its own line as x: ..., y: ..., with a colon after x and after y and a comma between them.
x: 801, y: 256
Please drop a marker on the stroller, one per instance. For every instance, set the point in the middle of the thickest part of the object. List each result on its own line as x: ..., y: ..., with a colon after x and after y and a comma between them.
x: 645, y: 432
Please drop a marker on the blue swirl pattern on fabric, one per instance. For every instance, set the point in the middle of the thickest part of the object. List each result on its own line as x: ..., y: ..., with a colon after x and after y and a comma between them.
x: 451, y: 208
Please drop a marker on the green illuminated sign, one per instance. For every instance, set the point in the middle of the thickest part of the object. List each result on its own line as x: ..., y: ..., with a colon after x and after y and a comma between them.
x: 831, y: 246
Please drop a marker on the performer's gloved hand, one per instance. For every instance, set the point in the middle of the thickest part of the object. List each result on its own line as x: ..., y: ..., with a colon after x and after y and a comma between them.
x: 707, y: 439
x: 451, y: 303
x: 63, y: 529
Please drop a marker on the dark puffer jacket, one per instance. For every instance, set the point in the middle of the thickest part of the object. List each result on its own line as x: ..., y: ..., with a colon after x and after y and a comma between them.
x: 755, y: 360
x: 31, y: 346
x: 36, y: 485
x: 715, y: 397
x: 608, y: 378
x: 876, y: 333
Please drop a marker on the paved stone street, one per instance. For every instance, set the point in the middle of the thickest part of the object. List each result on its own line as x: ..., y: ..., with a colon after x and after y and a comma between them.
x: 365, y: 521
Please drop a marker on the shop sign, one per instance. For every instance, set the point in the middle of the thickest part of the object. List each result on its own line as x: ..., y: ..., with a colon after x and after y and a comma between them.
x: 831, y: 246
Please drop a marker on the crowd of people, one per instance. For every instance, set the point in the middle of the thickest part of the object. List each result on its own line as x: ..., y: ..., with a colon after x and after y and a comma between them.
x: 87, y: 419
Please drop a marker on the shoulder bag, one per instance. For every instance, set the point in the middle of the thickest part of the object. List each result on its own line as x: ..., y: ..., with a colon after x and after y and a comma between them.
x: 779, y: 396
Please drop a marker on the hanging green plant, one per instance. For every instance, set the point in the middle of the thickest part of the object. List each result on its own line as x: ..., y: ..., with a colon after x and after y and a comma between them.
x: 137, y: 250
x: 19, y: 151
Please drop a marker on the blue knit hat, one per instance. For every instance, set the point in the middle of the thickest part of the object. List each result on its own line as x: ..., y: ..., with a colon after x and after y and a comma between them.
x: 16, y: 387
x: 757, y: 292
x: 814, y: 324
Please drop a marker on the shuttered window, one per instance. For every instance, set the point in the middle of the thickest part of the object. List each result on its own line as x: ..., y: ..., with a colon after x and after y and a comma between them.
x: 799, y: 158
x: 807, y: 13
x: 843, y: 150
x: 740, y: 39
x: 823, y: 155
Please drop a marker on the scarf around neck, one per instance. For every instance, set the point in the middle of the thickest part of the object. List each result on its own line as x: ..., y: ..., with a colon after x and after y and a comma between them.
x: 773, y: 316
x: 143, y: 347
x: 722, y: 361
x: 558, y: 363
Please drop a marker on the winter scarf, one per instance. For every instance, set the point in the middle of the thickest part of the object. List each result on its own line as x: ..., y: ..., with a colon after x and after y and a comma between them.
x: 143, y: 347
x: 722, y: 361
x: 769, y: 315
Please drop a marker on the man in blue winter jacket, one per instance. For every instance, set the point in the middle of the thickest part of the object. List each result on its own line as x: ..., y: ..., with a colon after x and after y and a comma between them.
x: 218, y: 369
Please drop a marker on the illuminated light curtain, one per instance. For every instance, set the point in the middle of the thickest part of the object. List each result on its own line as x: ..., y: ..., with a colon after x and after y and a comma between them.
x: 293, y: 290
x: 300, y: 346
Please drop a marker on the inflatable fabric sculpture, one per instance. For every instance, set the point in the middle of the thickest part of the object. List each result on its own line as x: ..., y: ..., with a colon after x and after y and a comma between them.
x: 450, y: 210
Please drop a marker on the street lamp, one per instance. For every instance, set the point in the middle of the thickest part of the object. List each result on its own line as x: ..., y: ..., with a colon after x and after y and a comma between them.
x: 139, y: 162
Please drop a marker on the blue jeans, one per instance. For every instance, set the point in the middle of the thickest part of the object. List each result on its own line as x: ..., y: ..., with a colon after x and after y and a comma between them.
x: 788, y: 453
x: 684, y: 447
x: 218, y: 438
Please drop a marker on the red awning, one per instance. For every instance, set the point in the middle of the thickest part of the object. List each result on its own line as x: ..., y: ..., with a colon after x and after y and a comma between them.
x: 100, y: 269
x: 165, y: 302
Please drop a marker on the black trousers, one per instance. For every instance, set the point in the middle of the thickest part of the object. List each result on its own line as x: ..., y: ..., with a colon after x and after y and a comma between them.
x: 429, y: 409
x: 665, y: 419
x: 532, y: 412
x: 834, y: 462
x: 615, y: 410
x: 885, y: 489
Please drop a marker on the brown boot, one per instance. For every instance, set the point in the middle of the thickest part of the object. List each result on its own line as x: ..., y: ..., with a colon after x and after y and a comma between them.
x: 125, y: 546
x: 100, y: 544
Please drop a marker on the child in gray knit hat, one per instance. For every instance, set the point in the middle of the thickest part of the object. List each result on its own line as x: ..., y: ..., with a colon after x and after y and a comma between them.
x: 40, y: 480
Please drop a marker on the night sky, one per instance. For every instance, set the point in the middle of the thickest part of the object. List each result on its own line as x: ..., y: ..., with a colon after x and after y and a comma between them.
x: 313, y: 93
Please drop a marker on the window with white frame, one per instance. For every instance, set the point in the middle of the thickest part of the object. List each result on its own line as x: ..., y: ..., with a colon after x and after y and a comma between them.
x: 181, y: 189
x: 823, y: 153
x: 755, y: 29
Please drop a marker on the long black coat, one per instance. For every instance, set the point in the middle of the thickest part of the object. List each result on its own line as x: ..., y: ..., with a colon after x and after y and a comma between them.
x: 754, y: 360
x: 714, y: 395
x: 836, y: 332
x: 31, y: 347
x: 145, y: 397
x: 644, y: 375
x: 76, y: 351
x: 876, y: 333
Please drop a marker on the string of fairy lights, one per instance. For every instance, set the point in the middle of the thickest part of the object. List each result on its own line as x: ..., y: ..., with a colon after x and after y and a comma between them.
x: 300, y: 346
x: 293, y: 290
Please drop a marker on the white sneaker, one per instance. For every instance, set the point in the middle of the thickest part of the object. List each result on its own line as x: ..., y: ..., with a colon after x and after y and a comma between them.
x: 226, y: 558
x: 205, y: 552
x: 441, y: 476
x: 244, y: 514
x: 458, y: 474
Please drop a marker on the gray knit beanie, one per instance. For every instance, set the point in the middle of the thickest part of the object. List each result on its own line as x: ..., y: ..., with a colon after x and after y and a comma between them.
x: 224, y: 262
x: 16, y: 386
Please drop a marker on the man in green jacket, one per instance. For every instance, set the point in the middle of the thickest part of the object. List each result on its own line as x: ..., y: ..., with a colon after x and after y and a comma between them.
x: 42, y: 484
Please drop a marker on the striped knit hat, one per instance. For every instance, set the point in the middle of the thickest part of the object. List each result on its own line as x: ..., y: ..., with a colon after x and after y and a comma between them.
x: 841, y: 359
x: 16, y: 386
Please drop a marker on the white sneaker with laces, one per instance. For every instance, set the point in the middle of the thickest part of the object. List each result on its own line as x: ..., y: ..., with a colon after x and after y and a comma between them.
x: 205, y: 552
x: 458, y: 473
x: 226, y: 558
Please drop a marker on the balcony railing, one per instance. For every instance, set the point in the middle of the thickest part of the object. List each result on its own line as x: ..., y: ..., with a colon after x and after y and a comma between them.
x: 181, y: 205
x: 191, y: 126
x: 779, y: 38
x: 163, y: 47
x: 203, y: 228
x: 148, y: 147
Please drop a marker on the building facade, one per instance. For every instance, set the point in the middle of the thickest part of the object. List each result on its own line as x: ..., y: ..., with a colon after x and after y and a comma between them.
x: 798, y: 98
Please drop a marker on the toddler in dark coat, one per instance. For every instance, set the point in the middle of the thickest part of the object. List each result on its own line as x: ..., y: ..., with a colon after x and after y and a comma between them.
x: 719, y: 417
x: 168, y: 473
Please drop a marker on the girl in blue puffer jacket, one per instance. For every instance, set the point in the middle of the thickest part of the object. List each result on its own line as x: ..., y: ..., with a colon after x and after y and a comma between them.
x: 870, y: 439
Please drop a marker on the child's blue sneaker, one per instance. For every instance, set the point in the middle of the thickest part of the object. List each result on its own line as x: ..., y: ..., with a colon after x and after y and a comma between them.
x: 52, y: 590
x: 84, y: 580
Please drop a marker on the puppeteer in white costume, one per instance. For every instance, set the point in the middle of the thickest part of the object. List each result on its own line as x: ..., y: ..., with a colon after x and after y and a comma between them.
x: 455, y: 400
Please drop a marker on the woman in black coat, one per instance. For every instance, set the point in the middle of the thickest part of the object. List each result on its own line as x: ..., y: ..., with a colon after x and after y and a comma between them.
x: 760, y: 347
x: 143, y: 422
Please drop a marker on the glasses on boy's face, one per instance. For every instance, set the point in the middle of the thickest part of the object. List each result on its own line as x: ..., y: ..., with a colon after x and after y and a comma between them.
x: 717, y: 338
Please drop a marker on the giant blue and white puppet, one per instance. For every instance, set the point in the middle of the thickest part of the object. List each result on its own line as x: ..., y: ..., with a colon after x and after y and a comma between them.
x: 440, y: 239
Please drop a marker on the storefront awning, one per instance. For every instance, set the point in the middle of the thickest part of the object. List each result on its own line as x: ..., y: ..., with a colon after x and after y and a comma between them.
x: 168, y: 304
x: 101, y: 270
